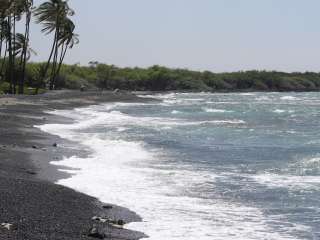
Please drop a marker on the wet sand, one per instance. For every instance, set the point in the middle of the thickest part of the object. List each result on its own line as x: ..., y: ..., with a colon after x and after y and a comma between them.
x: 29, y: 200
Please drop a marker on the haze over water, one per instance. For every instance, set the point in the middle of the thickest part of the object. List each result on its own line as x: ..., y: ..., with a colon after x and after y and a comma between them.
x: 204, y: 166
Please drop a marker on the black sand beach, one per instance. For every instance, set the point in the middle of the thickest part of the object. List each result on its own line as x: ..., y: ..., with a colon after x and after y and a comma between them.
x: 29, y: 200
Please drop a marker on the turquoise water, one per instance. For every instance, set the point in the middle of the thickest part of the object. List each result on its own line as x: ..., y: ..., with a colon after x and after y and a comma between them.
x: 205, y: 166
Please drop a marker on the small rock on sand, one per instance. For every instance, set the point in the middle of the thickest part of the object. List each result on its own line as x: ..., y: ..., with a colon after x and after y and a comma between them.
x: 31, y: 172
x: 9, y: 226
x: 107, y: 206
x: 94, y: 233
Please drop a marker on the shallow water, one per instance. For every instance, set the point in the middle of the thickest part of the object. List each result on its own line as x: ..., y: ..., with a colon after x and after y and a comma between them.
x: 204, y: 166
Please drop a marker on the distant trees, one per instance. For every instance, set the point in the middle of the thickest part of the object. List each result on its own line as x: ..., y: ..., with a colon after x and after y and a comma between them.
x: 158, y: 78
x: 15, y: 50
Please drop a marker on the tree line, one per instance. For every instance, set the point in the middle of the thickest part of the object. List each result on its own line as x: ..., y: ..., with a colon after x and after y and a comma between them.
x: 158, y: 78
x: 15, y: 47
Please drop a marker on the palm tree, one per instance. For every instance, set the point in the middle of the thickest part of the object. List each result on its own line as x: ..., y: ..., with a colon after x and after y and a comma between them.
x: 3, y: 43
x: 67, y: 40
x: 26, y: 51
x: 21, y: 47
x: 16, y: 10
x: 5, y: 16
x: 52, y: 15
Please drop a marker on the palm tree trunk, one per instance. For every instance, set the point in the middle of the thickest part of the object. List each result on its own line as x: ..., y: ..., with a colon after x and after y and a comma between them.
x: 4, y: 60
x: 50, y: 57
x: 14, y: 58
x: 55, y: 60
x: 10, y: 68
x: 1, y: 43
x: 1, y: 47
x: 62, y: 56
x: 23, y: 60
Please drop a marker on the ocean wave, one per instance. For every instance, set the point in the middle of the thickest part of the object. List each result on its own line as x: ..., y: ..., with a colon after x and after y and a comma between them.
x: 291, y: 182
x: 87, y: 117
x: 121, y: 173
x: 307, y: 167
x: 289, y: 98
x: 263, y: 98
x: 213, y: 110
x: 175, y: 112
x: 282, y: 111
x: 247, y: 94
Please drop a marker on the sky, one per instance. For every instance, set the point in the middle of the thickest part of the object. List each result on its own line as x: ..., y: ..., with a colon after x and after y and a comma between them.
x: 215, y: 35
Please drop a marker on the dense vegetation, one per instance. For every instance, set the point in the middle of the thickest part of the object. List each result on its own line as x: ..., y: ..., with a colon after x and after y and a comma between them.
x: 15, y: 50
x: 157, y: 78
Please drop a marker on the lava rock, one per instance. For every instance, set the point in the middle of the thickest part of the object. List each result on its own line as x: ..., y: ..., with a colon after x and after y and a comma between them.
x: 107, y: 207
x: 94, y: 233
x: 9, y: 226
x: 121, y: 222
x: 31, y: 172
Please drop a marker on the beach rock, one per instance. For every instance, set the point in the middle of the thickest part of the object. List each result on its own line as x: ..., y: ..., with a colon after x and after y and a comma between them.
x: 35, y: 147
x: 102, y: 220
x: 116, y: 91
x: 31, y: 172
x: 121, y: 222
x: 9, y: 226
x: 95, y: 218
x: 55, y: 145
x: 94, y: 233
x: 107, y: 206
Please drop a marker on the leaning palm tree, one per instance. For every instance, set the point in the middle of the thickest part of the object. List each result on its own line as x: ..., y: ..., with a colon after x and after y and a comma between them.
x: 23, y: 51
x: 3, y: 44
x: 6, y: 27
x: 52, y: 15
x: 16, y: 10
x: 25, y: 54
x: 67, y: 39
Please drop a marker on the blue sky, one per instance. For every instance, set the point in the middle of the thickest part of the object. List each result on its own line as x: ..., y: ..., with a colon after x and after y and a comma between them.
x: 216, y: 35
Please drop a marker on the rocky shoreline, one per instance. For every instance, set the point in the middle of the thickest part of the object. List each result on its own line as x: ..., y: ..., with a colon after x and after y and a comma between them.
x: 32, y: 207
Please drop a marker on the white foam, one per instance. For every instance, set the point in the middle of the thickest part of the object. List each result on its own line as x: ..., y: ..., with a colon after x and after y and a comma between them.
x: 125, y: 173
x: 263, y: 98
x: 288, y: 98
x: 279, y: 111
x: 86, y: 117
x: 214, y: 110
x: 291, y: 182
x: 282, y: 111
x: 175, y: 112
x: 118, y: 172
x: 247, y: 94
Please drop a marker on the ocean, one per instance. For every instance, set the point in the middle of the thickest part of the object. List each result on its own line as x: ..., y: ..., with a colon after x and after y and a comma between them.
x: 203, y: 166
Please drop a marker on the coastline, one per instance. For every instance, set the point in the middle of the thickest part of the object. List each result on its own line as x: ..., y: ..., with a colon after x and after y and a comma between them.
x: 29, y: 199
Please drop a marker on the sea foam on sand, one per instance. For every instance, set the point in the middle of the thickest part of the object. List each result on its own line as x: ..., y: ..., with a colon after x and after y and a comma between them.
x: 123, y: 172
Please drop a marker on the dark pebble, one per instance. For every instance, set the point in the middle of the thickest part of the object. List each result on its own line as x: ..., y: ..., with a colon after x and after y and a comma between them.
x: 31, y: 172
x: 107, y: 207
x: 94, y: 233
x: 121, y: 222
